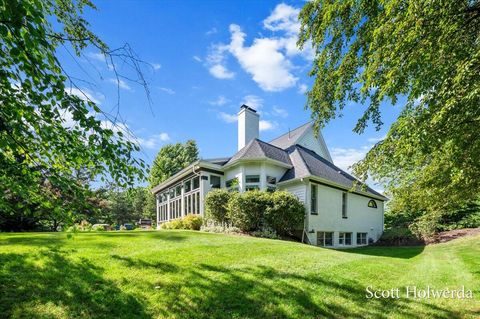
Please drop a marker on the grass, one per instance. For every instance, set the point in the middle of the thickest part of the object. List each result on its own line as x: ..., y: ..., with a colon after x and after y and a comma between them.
x: 182, y: 274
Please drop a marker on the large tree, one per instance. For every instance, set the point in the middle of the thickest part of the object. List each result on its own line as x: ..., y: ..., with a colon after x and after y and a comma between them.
x: 40, y: 152
x: 425, y: 51
x: 171, y: 159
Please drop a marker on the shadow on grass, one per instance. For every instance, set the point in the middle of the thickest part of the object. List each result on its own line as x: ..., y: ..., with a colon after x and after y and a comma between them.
x: 46, y: 284
x: 405, y: 252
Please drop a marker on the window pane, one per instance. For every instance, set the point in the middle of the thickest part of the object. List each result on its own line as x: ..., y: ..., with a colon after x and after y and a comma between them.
x: 271, y: 180
x: 188, y: 186
x: 215, y: 181
x: 196, y: 182
x: 348, y: 238
x: 313, y: 203
x: 252, y: 179
x: 178, y: 190
x: 251, y: 187
x: 231, y: 182
x: 344, y: 205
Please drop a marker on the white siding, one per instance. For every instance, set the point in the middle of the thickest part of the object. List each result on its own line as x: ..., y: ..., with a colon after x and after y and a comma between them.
x: 308, y: 140
x: 360, y: 217
x: 298, y: 189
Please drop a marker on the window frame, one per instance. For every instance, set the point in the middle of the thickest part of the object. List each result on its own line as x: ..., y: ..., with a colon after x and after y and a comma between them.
x: 313, y: 199
x: 219, y: 181
x: 324, y: 238
x: 372, y: 203
x: 344, y: 205
x: 359, y: 236
x: 342, y: 238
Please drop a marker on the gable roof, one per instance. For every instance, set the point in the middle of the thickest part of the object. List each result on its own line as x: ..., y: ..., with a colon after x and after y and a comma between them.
x: 257, y: 149
x: 219, y: 161
x: 308, y: 163
x: 290, y: 138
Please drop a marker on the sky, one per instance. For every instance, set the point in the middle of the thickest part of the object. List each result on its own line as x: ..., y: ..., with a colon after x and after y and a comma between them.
x: 203, y: 60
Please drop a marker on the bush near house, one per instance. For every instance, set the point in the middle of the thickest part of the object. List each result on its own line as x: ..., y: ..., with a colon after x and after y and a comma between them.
x: 246, y: 210
x: 216, y: 205
x: 285, y: 214
x: 191, y: 222
x: 277, y: 213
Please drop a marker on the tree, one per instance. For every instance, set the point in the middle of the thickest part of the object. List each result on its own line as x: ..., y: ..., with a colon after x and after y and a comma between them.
x: 39, y: 152
x: 425, y: 51
x: 171, y: 159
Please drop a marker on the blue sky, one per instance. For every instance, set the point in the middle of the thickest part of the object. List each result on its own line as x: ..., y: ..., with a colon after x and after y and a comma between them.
x: 206, y: 59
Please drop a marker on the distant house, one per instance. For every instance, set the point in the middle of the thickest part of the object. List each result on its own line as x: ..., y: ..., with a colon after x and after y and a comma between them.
x: 298, y: 162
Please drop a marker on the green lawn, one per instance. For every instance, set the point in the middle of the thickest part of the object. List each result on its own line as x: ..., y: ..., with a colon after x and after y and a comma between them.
x: 181, y: 274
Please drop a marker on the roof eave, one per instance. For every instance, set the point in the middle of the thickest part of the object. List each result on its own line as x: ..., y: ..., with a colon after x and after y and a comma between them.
x: 257, y: 159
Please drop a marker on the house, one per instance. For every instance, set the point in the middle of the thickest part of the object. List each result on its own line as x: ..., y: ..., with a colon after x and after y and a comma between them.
x: 339, y: 211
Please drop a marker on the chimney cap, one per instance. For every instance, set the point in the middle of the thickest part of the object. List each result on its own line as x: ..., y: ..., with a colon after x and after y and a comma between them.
x: 244, y: 106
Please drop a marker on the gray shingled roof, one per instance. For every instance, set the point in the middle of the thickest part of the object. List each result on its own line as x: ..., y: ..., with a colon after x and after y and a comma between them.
x: 219, y: 161
x: 308, y: 163
x: 290, y: 138
x: 258, y: 149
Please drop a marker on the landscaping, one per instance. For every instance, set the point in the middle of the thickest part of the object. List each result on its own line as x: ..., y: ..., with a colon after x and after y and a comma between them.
x: 191, y: 274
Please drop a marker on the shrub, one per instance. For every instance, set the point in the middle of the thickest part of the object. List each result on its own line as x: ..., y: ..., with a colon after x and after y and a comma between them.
x: 266, y: 233
x: 192, y: 222
x: 285, y: 213
x: 216, y: 205
x: 212, y: 228
x: 246, y: 210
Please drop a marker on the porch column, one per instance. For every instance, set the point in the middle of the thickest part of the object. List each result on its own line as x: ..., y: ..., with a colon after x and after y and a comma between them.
x: 158, y: 211
x: 169, y: 213
x: 182, y: 206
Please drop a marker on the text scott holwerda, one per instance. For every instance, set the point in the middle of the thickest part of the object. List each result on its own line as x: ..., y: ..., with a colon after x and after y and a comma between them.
x: 419, y: 293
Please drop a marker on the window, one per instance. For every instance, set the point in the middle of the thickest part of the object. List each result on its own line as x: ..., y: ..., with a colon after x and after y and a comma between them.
x: 372, y: 204
x: 313, y: 201
x: 196, y: 182
x: 252, y: 179
x: 271, y: 180
x: 361, y: 238
x: 214, y: 181
x: 344, y: 205
x: 324, y: 238
x: 345, y: 239
x: 251, y: 187
x: 271, y: 189
x: 231, y: 182
x: 188, y: 186
x: 178, y: 190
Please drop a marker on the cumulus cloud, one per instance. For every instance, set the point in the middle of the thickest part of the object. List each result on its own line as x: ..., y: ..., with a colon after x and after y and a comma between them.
x: 221, y: 72
x: 154, y: 141
x: 278, y: 111
x: 346, y: 157
x: 302, y: 88
x: 86, y: 95
x: 227, y: 118
x: 221, y: 100
x: 267, y: 125
x: 122, y: 84
x: 376, y: 139
x: 253, y: 101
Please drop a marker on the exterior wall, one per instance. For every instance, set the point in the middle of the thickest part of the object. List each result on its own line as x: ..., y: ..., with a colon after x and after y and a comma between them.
x: 360, y: 217
x: 259, y: 168
x: 315, y: 144
x: 298, y: 189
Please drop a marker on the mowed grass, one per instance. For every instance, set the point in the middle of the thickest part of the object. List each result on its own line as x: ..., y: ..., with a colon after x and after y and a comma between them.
x: 182, y: 274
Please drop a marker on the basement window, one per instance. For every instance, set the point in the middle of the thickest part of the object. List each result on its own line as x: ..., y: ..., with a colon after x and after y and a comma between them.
x: 324, y: 239
x: 361, y: 238
x: 345, y: 239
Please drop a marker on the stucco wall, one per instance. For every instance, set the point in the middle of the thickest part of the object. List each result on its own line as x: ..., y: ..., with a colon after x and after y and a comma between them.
x: 360, y: 217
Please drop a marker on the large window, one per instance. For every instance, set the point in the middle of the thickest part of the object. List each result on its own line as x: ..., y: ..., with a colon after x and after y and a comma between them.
x: 215, y: 181
x: 313, y: 200
x: 345, y: 239
x: 361, y: 238
x: 232, y: 184
x: 344, y: 205
x: 252, y: 182
x: 324, y: 238
x: 196, y: 182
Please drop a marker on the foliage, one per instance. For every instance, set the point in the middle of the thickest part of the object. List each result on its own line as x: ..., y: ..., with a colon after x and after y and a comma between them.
x: 246, y: 210
x: 41, y: 155
x: 216, y: 205
x: 171, y: 159
x: 190, y: 222
x: 427, y: 53
x: 285, y: 213
x: 265, y: 233
x: 210, y: 227
x: 140, y: 275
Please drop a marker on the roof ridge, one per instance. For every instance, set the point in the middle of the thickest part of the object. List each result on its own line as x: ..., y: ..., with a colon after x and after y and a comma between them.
x: 303, y: 160
x: 281, y: 149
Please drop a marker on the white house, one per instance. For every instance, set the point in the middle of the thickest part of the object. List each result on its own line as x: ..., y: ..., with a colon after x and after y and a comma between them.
x: 337, y: 213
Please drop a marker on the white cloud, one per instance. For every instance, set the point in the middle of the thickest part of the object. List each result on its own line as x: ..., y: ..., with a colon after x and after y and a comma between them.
x: 167, y: 90
x: 376, y: 139
x: 96, y: 56
x: 302, y: 88
x: 156, y: 66
x: 121, y: 83
x: 221, y: 100
x: 197, y: 58
x: 346, y: 157
x: 211, y: 31
x: 86, y: 95
x: 227, y: 118
x: 253, y: 101
x: 262, y: 60
x: 267, y: 125
x: 154, y: 141
x: 283, y: 18
x: 221, y: 72
x: 278, y: 111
